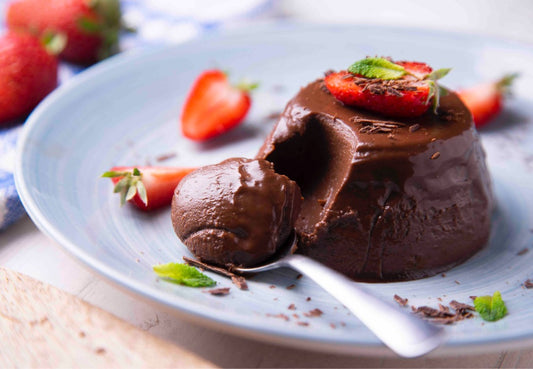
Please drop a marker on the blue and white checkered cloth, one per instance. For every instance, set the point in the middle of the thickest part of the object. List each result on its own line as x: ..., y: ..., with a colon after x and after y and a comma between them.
x: 157, y: 22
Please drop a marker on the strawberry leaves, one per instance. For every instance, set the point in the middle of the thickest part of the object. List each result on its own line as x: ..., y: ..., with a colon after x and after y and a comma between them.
x: 129, y: 185
x: 436, y: 91
x: 377, y: 68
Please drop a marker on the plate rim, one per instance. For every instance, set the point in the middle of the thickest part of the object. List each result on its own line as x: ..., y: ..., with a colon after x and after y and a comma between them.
x: 185, y: 308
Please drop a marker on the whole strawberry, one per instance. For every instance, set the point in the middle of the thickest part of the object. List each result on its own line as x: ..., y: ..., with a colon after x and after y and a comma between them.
x: 27, y: 74
x: 397, y: 89
x: 91, y: 26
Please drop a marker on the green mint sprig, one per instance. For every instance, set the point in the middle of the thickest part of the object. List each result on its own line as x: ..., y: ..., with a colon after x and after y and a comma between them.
x: 377, y: 68
x: 183, y: 274
x: 490, y: 308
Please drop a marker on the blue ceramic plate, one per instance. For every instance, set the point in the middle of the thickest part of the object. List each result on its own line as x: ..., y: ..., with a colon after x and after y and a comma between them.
x: 125, y: 111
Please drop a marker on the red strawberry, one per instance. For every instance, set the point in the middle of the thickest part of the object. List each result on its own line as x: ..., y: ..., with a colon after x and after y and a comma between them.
x: 418, y: 69
x: 27, y: 74
x: 91, y: 26
x: 147, y: 188
x: 214, y: 106
x: 485, y: 100
x: 399, y: 89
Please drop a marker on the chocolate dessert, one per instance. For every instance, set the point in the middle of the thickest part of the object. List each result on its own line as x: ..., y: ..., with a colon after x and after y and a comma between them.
x: 385, y: 198
x: 238, y: 212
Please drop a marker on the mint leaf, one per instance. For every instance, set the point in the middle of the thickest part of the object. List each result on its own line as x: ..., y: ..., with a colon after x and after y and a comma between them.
x: 490, y: 308
x: 377, y: 68
x: 183, y: 274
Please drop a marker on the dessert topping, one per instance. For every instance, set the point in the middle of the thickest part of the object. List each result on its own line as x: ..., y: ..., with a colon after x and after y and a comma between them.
x: 398, y: 89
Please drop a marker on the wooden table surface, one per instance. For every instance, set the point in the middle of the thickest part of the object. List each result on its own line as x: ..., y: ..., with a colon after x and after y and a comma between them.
x: 25, y: 249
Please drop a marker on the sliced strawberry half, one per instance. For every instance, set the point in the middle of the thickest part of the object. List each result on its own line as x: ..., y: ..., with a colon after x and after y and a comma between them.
x: 214, y: 106
x: 398, y: 89
x: 147, y: 188
x: 391, y: 100
x: 485, y: 100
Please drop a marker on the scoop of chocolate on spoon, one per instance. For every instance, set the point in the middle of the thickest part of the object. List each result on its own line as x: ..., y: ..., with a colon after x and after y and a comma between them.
x: 406, y: 334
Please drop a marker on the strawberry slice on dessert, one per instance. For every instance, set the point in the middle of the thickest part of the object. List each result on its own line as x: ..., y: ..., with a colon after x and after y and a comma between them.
x: 147, y: 188
x: 485, y: 100
x: 214, y: 106
x: 397, y: 89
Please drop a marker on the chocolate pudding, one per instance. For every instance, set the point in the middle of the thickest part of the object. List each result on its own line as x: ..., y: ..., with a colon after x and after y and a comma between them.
x: 238, y: 212
x: 385, y: 199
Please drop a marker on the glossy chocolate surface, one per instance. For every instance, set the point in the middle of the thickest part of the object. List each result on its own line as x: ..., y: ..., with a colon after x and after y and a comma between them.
x: 384, y: 199
x: 238, y: 212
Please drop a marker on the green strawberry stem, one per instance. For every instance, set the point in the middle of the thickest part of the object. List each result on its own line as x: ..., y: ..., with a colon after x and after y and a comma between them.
x: 246, y: 86
x: 129, y: 185
x: 54, y: 42
x: 504, y: 84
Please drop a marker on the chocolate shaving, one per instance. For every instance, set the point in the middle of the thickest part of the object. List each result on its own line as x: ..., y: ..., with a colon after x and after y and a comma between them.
x: 219, y: 291
x: 237, y: 280
x: 435, y: 156
x: 292, y: 307
x: 429, y: 312
x: 415, y: 127
x: 522, y: 252
x: 461, y: 307
x: 291, y: 286
x: 280, y: 316
x: 401, y: 301
x: 299, y: 276
x: 167, y: 156
x: 376, y: 126
x: 528, y: 284
x: 274, y: 115
x: 378, y: 86
x: 444, y: 315
x: 314, y: 313
x: 308, y: 299
x: 303, y: 324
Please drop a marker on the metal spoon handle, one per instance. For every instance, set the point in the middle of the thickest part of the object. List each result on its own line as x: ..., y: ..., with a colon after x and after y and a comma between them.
x: 404, y: 333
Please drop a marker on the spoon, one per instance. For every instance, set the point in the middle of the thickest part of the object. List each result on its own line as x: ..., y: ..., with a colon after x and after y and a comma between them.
x: 404, y: 333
